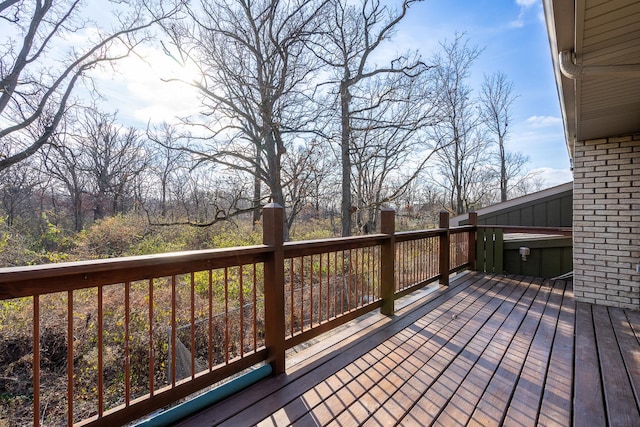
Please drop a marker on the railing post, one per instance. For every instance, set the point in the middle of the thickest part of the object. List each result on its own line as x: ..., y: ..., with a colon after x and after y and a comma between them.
x: 274, y: 334
x: 473, y: 221
x: 445, y: 250
x: 387, y: 261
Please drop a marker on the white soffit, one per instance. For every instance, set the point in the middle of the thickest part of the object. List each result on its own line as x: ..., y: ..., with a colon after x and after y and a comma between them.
x: 604, y: 35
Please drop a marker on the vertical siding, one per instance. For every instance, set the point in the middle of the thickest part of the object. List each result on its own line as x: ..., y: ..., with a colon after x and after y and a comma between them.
x: 552, y: 211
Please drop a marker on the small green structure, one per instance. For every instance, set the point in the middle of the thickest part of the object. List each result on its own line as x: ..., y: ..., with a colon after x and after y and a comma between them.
x: 546, y: 255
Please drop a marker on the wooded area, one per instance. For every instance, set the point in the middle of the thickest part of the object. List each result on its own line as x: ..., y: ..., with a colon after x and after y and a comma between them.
x: 299, y: 105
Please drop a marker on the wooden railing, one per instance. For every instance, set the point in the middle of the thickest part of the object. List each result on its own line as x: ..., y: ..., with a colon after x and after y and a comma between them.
x: 131, y: 335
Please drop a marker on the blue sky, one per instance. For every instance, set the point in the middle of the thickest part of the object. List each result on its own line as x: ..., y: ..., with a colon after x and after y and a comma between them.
x: 512, y: 33
x: 514, y: 37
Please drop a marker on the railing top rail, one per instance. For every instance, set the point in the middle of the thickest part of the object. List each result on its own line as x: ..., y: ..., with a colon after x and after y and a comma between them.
x: 311, y: 247
x: 562, y: 231
x: 47, y: 278
x: 403, y: 236
x: 462, y: 229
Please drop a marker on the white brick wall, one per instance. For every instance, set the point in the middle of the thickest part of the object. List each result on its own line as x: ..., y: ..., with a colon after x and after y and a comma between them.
x: 606, y: 221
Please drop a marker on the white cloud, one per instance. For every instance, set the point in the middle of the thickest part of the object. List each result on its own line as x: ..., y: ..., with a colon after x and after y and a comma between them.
x: 543, y: 121
x: 518, y: 23
x: 526, y: 3
x: 140, y: 91
x: 553, y: 177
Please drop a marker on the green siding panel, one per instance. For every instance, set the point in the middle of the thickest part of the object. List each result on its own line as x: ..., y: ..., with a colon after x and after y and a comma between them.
x: 554, y: 214
x: 549, y: 257
x: 490, y: 247
x: 480, y: 250
x: 552, y: 211
x: 526, y: 216
x: 540, y: 215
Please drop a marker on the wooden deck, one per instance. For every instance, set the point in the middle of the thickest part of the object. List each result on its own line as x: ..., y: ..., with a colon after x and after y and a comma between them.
x: 488, y: 350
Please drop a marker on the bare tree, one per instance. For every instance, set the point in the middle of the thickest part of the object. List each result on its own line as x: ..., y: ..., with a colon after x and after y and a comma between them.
x: 166, y: 161
x: 255, y: 82
x: 353, y: 34
x: 37, y: 78
x: 496, y: 98
x: 62, y: 164
x: 463, y: 161
x: 304, y: 168
x: 18, y: 187
x: 111, y: 157
x: 389, y: 140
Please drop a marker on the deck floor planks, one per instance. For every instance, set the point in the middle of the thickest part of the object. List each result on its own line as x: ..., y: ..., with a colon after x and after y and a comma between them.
x: 556, y: 406
x: 491, y: 405
x: 629, y: 345
x: 463, y: 404
x: 491, y: 348
x: 414, y: 339
x: 415, y: 335
x: 525, y: 401
x: 619, y: 398
x: 402, y: 338
x: 307, y: 376
x: 447, y: 379
x: 435, y: 358
x: 426, y: 350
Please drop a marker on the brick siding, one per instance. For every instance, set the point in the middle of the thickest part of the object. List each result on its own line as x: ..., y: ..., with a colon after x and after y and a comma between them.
x: 606, y: 225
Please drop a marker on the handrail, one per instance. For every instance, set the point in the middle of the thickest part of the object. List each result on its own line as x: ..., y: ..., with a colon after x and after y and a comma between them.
x: 18, y: 282
x: 404, y: 236
x: 312, y: 247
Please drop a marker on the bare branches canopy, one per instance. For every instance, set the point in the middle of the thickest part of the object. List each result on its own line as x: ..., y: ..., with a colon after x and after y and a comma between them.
x: 47, y: 48
x: 300, y: 102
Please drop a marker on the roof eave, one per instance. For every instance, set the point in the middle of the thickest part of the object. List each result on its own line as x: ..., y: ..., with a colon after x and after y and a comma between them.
x: 559, y: 17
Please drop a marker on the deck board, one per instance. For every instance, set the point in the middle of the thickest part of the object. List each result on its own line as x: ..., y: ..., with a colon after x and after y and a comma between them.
x: 556, y: 408
x: 531, y: 372
x: 589, y: 402
x: 489, y: 350
x: 620, y: 402
x: 490, y: 405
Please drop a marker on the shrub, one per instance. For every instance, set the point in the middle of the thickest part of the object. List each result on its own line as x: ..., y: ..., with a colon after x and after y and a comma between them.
x: 111, y: 237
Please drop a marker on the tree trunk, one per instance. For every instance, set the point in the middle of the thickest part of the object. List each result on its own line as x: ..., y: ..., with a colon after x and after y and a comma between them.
x: 503, y: 173
x: 345, y: 98
x: 257, y: 189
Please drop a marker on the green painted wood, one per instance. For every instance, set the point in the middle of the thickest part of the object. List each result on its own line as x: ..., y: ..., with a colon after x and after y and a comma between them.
x: 526, y: 215
x: 566, y: 210
x: 549, y: 257
x: 480, y: 250
x: 552, y: 211
x: 490, y: 248
x: 498, y: 250
x: 540, y: 215
x: 515, y: 217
